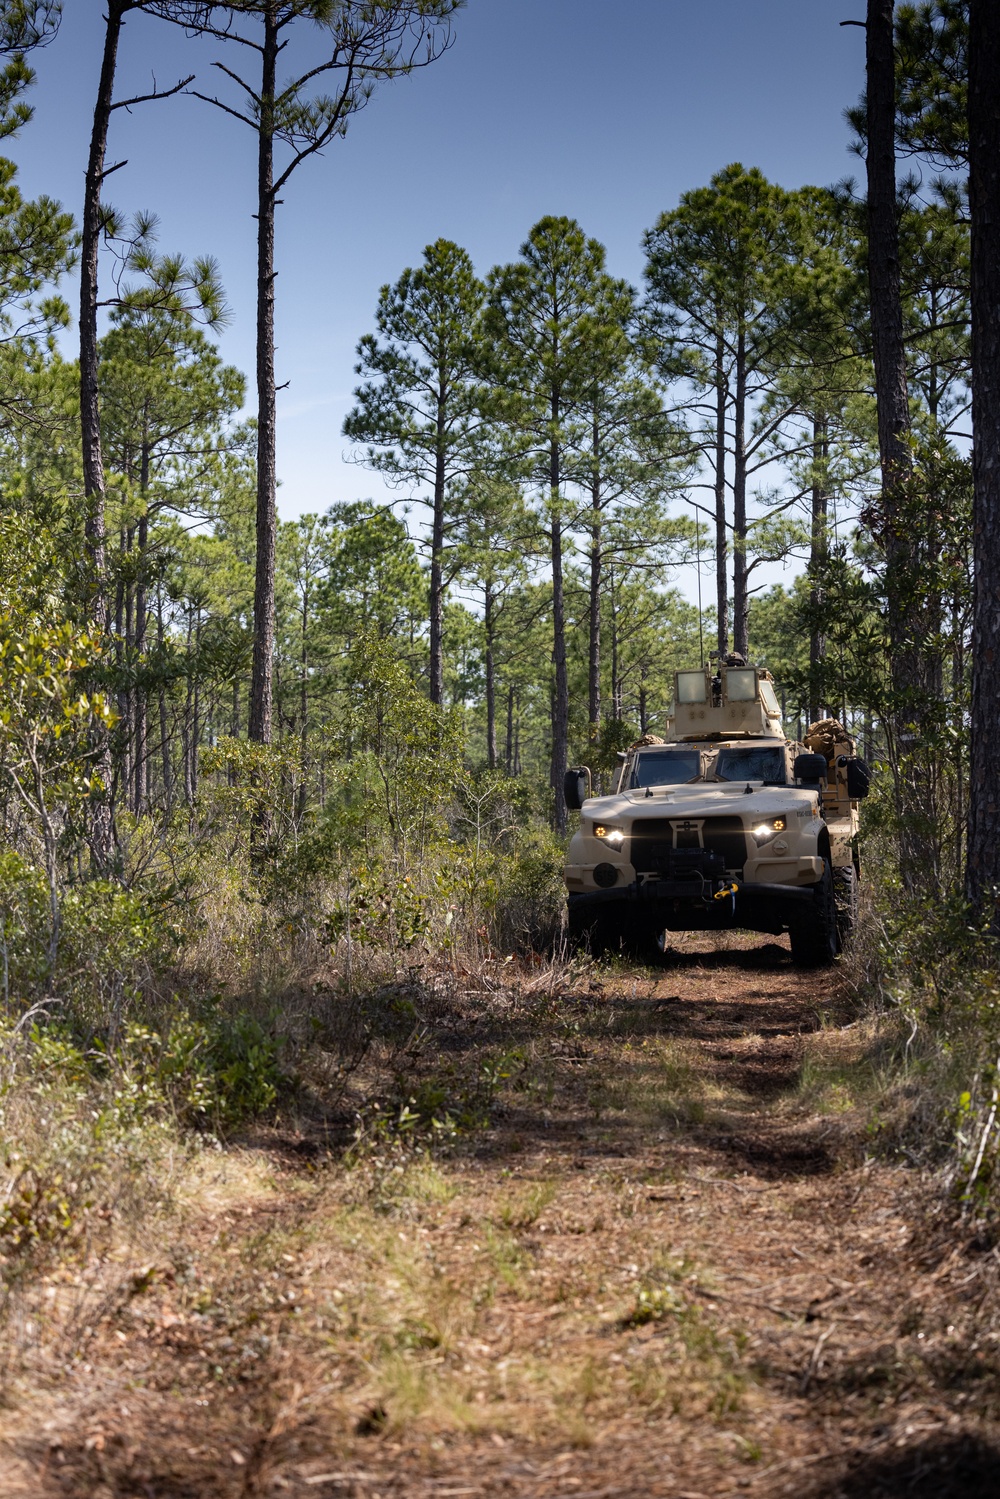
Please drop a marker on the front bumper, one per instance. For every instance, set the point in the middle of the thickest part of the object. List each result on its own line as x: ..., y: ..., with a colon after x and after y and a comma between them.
x: 654, y: 905
x: 763, y: 873
x: 651, y: 892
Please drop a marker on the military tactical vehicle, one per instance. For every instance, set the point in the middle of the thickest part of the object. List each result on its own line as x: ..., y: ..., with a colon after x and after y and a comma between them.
x: 726, y: 823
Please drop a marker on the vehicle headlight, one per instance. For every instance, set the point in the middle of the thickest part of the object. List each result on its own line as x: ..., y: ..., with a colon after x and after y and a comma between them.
x: 612, y: 836
x: 765, y: 831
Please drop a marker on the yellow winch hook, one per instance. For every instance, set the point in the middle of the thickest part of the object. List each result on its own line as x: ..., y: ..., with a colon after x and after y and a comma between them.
x: 728, y: 890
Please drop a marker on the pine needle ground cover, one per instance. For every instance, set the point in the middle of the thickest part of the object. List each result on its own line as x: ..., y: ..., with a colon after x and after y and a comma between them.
x: 629, y: 1232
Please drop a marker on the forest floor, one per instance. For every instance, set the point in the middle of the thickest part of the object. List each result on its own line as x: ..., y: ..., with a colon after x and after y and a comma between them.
x: 675, y: 1262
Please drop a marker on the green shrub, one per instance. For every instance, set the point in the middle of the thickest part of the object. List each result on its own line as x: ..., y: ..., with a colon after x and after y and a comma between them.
x: 24, y: 927
x: 379, y: 909
x: 112, y: 941
x: 245, y: 1068
x: 215, y: 1072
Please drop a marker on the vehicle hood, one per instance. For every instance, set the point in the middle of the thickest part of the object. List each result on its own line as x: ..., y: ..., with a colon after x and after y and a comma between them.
x: 701, y: 800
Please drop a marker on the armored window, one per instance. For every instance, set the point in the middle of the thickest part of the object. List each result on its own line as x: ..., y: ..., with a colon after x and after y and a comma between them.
x: 752, y: 764
x: 769, y: 698
x: 665, y: 767
x: 741, y: 685
x: 691, y: 687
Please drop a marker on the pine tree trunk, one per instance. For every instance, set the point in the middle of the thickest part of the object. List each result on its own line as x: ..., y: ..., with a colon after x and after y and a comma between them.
x: 304, y: 697
x: 983, y: 860
x: 898, y: 533
x: 491, y: 691
x: 721, y: 558
x: 596, y: 559
x: 509, y: 746
x: 186, y: 734
x: 741, y: 602
x: 101, y: 832
x: 123, y: 662
x: 817, y: 561
x: 140, y: 788
x: 168, y: 782
x: 437, y: 569
x: 90, y: 412
x: 260, y: 730
x: 560, y: 706
x: 196, y: 715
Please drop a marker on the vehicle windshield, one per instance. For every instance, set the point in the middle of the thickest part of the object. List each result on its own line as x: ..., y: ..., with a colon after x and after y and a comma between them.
x: 664, y: 767
x: 756, y: 764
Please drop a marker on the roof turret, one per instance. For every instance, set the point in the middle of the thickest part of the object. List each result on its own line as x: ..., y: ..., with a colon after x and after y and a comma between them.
x: 733, y: 702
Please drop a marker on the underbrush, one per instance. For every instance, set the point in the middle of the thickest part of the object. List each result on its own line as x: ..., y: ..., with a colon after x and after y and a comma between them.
x: 85, y: 1176
x: 245, y: 976
x: 928, y: 984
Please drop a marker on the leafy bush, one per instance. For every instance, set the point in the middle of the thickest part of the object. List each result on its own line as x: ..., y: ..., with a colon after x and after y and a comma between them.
x: 379, y: 909
x: 531, y: 894
x: 112, y: 941
x: 215, y: 1072
x: 24, y: 927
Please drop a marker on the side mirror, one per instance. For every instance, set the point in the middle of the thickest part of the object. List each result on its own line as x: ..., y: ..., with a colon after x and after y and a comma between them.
x: 577, y: 788
x: 811, y: 770
x: 859, y: 779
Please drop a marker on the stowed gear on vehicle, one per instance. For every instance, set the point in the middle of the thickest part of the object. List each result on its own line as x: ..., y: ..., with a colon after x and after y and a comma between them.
x: 727, y: 823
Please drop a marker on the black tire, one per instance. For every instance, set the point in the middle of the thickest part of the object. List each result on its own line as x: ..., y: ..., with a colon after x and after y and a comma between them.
x: 610, y: 933
x: 813, y: 929
x: 845, y: 889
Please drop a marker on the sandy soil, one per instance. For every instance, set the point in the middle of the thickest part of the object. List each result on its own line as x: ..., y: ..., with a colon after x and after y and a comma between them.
x: 677, y: 1263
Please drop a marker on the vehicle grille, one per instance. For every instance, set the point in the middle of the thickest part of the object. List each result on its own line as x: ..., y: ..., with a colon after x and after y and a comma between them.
x: 654, y: 844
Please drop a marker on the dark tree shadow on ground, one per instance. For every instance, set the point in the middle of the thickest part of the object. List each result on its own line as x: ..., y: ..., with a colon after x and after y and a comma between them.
x: 960, y: 1467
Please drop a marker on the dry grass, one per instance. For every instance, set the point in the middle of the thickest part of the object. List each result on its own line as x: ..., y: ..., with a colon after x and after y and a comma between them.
x: 665, y: 1264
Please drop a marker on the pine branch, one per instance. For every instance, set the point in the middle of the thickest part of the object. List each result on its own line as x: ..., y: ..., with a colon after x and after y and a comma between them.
x: 156, y: 94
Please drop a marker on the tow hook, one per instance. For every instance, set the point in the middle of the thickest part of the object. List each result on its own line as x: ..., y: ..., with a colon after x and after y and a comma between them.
x: 727, y: 890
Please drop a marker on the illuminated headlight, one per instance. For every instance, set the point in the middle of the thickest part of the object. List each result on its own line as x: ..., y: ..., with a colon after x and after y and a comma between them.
x: 613, y: 837
x: 768, y: 830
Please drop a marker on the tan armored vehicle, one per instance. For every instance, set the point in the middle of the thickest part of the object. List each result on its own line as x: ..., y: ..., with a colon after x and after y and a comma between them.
x: 725, y: 824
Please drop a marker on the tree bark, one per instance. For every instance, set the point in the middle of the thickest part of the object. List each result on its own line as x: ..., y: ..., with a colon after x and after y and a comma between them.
x: 304, y: 692
x: 101, y: 832
x: 437, y: 550
x: 596, y: 559
x: 168, y: 780
x: 883, y: 251
x: 616, y: 686
x: 186, y: 733
x: 560, y: 704
x: 196, y: 716
x: 741, y: 602
x: 141, y: 702
x: 721, y: 558
x: 123, y: 664
x: 898, y: 535
x: 261, y: 686
x: 509, y: 745
x: 983, y: 856
x: 817, y: 560
x: 90, y: 234
x: 491, y: 692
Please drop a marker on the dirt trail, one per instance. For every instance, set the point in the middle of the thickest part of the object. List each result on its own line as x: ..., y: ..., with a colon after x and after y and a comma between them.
x: 668, y: 1267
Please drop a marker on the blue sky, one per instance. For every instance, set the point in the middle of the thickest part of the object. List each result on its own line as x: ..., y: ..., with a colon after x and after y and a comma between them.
x: 606, y: 113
